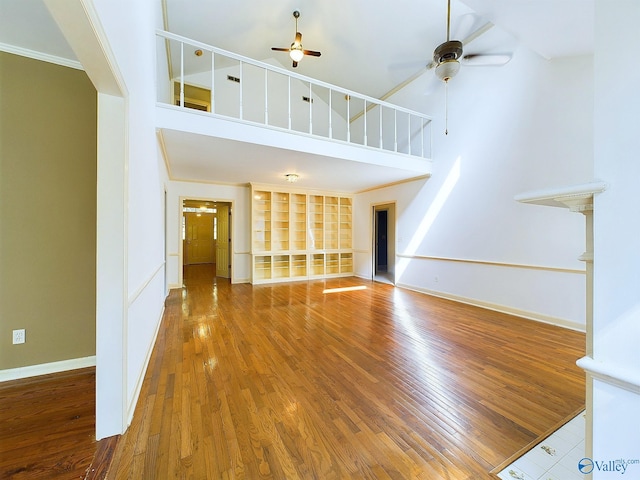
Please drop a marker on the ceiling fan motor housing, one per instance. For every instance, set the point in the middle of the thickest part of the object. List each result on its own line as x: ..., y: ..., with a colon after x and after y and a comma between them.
x: 446, y: 58
x: 449, y: 50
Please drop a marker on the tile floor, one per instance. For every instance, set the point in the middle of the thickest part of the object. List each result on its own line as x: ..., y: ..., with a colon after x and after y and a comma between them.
x: 555, y: 458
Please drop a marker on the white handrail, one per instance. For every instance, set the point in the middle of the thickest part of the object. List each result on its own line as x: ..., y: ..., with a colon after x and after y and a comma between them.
x: 368, y: 102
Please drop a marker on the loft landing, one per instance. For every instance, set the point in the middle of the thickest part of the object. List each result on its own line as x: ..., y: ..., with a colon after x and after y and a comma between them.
x: 225, y: 118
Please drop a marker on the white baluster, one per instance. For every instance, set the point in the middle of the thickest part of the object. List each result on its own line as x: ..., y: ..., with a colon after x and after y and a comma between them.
x: 364, y: 125
x: 395, y: 130
x: 380, y: 107
x: 241, y: 88
x: 213, y: 82
x: 330, y: 116
x: 289, y: 103
x: 266, y: 96
x: 310, y: 110
x: 182, y: 74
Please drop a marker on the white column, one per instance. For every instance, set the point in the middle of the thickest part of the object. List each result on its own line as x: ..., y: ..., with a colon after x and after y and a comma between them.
x: 584, y: 205
x: 111, y: 268
x: 580, y: 199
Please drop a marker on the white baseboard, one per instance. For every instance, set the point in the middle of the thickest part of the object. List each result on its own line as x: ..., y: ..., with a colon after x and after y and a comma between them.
x: 46, y: 368
x: 538, y: 317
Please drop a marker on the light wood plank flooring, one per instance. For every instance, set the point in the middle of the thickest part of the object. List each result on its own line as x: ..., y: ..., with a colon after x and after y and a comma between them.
x: 285, y: 381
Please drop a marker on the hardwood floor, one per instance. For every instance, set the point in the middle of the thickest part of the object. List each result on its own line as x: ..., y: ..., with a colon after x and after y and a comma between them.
x: 285, y: 381
x: 47, y: 426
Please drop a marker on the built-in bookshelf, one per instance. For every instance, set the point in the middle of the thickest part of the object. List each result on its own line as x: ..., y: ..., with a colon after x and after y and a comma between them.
x: 316, y: 222
x: 280, y: 221
x: 298, y: 222
x: 261, y: 215
x: 345, y: 223
x: 331, y: 223
x: 298, y: 235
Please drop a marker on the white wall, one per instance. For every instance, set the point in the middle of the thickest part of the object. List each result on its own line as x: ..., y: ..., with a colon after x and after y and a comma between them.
x: 521, y: 127
x: 238, y: 196
x: 615, y: 366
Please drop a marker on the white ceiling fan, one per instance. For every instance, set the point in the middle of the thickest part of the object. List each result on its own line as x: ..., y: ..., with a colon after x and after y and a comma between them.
x: 449, y: 56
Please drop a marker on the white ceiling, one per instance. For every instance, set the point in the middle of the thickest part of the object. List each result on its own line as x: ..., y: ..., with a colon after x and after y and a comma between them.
x: 240, y: 166
x: 369, y: 46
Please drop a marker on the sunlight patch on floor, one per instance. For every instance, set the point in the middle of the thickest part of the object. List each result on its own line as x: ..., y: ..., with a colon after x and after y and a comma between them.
x: 344, y: 289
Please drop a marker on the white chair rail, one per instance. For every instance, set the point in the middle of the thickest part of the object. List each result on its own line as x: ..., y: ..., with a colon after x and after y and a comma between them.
x: 199, y: 76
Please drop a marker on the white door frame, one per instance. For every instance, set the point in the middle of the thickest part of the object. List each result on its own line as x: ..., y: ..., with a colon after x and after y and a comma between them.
x: 390, y: 207
x: 181, y: 242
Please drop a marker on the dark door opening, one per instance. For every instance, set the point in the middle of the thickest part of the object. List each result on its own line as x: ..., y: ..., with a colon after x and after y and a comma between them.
x: 384, y: 247
x: 381, y: 263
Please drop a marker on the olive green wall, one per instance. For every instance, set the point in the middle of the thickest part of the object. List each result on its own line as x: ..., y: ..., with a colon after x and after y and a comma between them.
x: 47, y: 212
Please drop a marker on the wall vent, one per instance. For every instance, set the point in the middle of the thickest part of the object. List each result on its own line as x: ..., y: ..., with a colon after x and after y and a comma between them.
x: 233, y: 79
x: 307, y: 99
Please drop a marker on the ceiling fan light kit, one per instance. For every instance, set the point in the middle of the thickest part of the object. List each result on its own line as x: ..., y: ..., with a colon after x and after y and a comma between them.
x: 446, y: 70
x: 296, y: 53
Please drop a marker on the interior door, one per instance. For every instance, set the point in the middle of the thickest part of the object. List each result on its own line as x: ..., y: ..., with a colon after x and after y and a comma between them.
x: 199, y: 242
x: 223, y: 245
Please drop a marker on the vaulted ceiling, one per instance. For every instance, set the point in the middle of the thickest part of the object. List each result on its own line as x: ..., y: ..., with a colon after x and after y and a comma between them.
x: 369, y: 46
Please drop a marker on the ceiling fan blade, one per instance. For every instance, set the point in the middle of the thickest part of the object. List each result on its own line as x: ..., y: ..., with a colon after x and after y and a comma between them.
x: 280, y: 49
x: 464, y: 24
x: 469, y: 27
x: 477, y: 32
x: 298, y: 41
x: 311, y: 53
x: 485, y: 59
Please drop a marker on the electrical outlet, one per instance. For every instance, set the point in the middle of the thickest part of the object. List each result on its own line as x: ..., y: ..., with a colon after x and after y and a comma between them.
x: 18, y: 336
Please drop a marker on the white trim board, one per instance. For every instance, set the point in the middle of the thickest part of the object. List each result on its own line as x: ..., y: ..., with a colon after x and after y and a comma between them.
x: 43, y: 57
x: 138, y: 388
x: 46, y: 368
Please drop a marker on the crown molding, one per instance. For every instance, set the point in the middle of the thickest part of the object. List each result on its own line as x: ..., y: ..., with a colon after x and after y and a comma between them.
x: 44, y: 57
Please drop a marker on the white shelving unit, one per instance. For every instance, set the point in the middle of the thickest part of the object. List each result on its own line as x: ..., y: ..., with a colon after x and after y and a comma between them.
x: 297, y: 236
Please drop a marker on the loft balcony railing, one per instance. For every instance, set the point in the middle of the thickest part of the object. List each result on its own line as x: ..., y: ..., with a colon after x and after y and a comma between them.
x: 194, y: 75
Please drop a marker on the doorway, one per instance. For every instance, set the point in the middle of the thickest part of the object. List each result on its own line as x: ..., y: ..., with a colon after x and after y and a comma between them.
x: 206, y: 240
x: 384, y: 246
